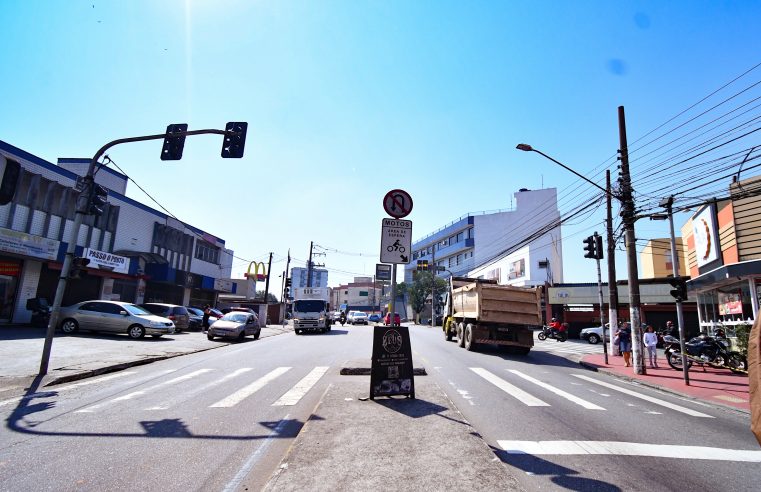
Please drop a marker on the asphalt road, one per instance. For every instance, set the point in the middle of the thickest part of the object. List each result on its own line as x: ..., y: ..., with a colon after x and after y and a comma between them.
x: 217, y: 419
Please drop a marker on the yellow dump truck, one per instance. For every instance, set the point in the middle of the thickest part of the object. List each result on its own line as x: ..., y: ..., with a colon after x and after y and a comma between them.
x: 479, y: 311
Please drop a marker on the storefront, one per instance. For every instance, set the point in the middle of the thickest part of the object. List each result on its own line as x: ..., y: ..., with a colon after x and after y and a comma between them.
x: 10, y: 272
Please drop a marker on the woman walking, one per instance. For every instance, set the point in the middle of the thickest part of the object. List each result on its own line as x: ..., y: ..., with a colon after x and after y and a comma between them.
x: 624, y: 335
x: 651, y: 341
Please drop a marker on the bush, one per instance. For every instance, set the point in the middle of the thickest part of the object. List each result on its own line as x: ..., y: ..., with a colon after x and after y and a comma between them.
x: 742, y: 332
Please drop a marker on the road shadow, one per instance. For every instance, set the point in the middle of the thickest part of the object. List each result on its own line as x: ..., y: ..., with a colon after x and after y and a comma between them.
x: 332, y: 331
x: 18, y: 332
x: 413, y: 407
x: 535, y: 357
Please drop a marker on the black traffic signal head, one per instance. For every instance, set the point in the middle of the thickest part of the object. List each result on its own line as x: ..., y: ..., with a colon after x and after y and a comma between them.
x: 679, y: 292
x: 173, y: 145
x: 11, y: 175
x: 287, y: 282
x: 78, y: 266
x: 233, y: 144
x: 97, y: 202
x: 590, y: 250
x: 598, y: 247
x: 425, y: 265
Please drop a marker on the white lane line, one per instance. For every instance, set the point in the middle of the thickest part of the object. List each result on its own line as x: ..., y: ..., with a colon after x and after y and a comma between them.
x: 135, y: 394
x: 508, y: 388
x: 629, y: 449
x: 200, y: 389
x: 249, y: 464
x: 651, y: 399
x: 53, y: 390
x: 250, y: 389
x: 295, y: 394
x: 559, y: 392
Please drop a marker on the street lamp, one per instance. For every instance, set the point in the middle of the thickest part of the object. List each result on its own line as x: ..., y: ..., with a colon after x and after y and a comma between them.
x: 528, y: 148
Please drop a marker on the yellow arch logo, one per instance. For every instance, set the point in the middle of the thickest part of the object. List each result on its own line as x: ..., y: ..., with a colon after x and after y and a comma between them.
x: 257, y: 276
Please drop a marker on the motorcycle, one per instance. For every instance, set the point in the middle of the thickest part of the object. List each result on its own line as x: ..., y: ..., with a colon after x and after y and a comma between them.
x: 40, y: 311
x: 704, y: 350
x: 548, y: 332
x: 342, y: 319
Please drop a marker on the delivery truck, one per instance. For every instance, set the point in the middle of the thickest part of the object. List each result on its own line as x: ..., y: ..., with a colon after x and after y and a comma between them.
x: 479, y: 311
x: 311, y: 309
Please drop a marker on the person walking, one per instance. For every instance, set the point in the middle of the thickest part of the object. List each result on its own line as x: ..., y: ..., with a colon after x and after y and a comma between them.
x: 205, y: 321
x: 651, y: 341
x: 624, y: 335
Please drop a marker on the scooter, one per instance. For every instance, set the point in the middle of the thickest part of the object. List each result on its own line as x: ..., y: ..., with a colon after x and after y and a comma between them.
x: 704, y: 350
x: 548, y: 332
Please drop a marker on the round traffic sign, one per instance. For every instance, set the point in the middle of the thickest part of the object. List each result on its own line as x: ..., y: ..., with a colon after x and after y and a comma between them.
x: 397, y: 203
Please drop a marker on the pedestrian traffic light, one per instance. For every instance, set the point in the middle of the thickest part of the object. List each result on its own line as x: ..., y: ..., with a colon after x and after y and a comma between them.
x: 589, y: 247
x: 173, y: 145
x: 598, y: 247
x: 78, y: 265
x: 679, y: 292
x: 97, y: 201
x: 11, y: 173
x: 234, y: 143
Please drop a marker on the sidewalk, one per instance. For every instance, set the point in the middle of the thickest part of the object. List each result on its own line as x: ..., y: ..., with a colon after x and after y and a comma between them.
x: 718, y: 386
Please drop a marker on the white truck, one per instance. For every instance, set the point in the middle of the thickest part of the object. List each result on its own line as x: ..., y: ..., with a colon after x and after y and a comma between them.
x: 311, y: 309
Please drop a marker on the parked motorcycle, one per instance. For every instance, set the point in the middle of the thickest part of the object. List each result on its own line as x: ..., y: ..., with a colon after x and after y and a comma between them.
x: 548, y: 332
x: 704, y: 350
x: 40, y: 309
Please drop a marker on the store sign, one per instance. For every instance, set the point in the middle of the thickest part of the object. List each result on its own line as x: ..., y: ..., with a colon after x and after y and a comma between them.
x: 706, y: 239
x: 730, y: 303
x: 106, y: 261
x: 10, y: 268
x: 21, y: 243
x: 223, y: 285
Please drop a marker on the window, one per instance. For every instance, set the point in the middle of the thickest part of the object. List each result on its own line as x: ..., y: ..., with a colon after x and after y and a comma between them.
x: 470, y: 233
x: 451, y: 261
x: 430, y: 250
x: 459, y: 259
x: 415, y: 255
x: 460, y: 236
x: 207, y: 252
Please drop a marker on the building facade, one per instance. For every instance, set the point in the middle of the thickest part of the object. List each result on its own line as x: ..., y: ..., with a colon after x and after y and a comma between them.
x: 363, y: 294
x: 655, y: 258
x: 137, y: 254
x: 299, y: 277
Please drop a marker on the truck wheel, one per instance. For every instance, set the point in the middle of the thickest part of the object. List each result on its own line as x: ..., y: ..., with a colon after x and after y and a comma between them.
x: 460, y: 335
x: 470, y: 345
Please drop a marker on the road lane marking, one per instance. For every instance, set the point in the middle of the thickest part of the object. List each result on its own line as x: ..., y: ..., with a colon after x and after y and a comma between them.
x: 250, y: 389
x: 657, y: 401
x: 54, y: 390
x: 559, y: 392
x: 629, y: 449
x: 200, y: 389
x: 135, y: 394
x: 295, y: 394
x: 508, y: 388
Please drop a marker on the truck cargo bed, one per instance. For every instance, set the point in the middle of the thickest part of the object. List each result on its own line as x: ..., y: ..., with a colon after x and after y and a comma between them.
x: 488, y: 303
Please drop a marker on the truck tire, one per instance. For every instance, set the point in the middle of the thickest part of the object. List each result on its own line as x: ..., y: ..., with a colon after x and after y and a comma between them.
x: 469, y: 345
x: 460, y: 335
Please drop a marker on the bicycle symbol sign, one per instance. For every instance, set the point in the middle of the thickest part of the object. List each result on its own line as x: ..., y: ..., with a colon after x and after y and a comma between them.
x: 396, y: 241
x: 397, y: 203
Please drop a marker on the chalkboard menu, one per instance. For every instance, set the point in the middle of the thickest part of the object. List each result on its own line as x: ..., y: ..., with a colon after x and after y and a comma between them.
x: 391, y: 372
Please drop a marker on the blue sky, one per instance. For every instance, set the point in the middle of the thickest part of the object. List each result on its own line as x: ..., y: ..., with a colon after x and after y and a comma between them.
x: 346, y: 100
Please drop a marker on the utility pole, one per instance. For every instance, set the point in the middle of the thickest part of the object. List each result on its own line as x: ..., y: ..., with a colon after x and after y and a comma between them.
x: 267, y: 281
x: 433, y: 283
x: 309, y: 265
x: 612, y: 286
x: 668, y: 203
x: 627, y: 206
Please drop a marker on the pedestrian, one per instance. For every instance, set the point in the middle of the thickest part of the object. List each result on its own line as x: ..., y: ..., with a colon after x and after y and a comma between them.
x: 205, y: 322
x: 651, y: 342
x: 624, y: 335
x: 672, y: 330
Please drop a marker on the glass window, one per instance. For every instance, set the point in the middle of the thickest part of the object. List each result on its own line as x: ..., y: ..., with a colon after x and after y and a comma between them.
x: 90, y: 306
x: 460, y: 236
x: 134, y: 309
x: 470, y: 233
x: 207, y: 252
x: 459, y: 259
x: 111, y: 308
x: 451, y: 261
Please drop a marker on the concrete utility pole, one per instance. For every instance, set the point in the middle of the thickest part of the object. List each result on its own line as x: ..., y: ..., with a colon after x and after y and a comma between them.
x: 433, y: 283
x: 309, y: 265
x: 627, y: 205
x: 267, y: 281
x: 612, y: 286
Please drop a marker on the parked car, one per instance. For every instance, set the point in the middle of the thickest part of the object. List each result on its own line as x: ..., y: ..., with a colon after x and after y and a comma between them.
x: 594, y: 334
x: 178, y: 314
x: 235, y: 324
x: 359, y: 318
x: 387, y: 319
x: 374, y: 317
x: 114, y: 317
x: 196, y: 318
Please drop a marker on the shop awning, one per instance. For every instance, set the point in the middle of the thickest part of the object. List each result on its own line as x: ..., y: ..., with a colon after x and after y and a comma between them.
x: 726, y: 274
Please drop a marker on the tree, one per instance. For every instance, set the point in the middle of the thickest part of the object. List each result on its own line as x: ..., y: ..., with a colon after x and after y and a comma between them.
x: 421, y: 288
x: 271, y: 297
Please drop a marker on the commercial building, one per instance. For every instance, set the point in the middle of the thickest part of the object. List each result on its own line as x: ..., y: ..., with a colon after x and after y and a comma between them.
x: 299, y: 277
x: 136, y: 253
x: 360, y: 295
x: 655, y: 258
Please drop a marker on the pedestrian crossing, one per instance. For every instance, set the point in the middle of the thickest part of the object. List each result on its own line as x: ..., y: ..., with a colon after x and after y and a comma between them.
x: 568, y: 348
x: 537, y: 398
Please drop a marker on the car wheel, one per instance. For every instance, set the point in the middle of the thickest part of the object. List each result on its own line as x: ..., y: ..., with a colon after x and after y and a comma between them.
x: 69, y: 326
x: 298, y: 332
x: 242, y: 336
x: 209, y: 336
x: 258, y: 332
x: 136, y: 332
x: 593, y: 339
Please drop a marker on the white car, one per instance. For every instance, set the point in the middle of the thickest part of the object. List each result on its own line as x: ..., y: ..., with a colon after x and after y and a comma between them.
x: 356, y: 318
x: 594, y: 334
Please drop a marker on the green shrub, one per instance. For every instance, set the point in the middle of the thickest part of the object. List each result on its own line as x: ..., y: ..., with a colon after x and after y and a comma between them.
x: 742, y: 332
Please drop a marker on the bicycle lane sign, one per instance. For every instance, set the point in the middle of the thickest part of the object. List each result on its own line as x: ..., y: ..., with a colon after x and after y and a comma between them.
x: 396, y: 241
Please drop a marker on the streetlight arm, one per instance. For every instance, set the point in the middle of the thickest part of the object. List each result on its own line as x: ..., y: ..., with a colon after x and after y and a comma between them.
x: 528, y: 148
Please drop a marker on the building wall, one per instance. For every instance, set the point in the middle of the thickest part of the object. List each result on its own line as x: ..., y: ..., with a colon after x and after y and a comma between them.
x: 746, y: 218
x: 655, y: 258
x: 299, y: 277
x: 105, y: 176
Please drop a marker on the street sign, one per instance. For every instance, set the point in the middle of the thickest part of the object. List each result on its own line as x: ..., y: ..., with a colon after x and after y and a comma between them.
x: 391, y: 370
x: 382, y: 272
x: 397, y: 203
x: 396, y: 241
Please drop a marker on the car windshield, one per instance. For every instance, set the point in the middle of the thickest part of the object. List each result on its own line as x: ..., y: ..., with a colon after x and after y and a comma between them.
x: 195, y: 311
x: 235, y: 317
x: 309, y: 306
x: 134, y: 309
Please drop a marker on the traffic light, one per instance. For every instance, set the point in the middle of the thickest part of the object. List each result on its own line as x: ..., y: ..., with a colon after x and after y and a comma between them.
x: 679, y: 292
x: 97, y: 201
x: 590, y: 247
x: 287, y: 282
x: 172, y: 149
x: 233, y: 145
x: 425, y: 265
x: 598, y: 247
x: 78, y: 265
x: 11, y: 174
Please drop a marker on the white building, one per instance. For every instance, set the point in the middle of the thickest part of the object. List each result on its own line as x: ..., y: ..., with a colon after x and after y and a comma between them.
x: 299, y: 277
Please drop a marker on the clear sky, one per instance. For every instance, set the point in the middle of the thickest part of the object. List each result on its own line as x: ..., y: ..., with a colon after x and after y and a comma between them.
x: 347, y: 100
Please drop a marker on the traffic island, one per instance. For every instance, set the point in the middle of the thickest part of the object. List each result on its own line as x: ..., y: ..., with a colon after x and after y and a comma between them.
x: 363, y: 367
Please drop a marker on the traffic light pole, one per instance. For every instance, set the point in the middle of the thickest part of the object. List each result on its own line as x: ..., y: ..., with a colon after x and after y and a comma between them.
x: 679, y: 312
x: 600, y: 298
x: 81, y: 209
x: 612, y: 285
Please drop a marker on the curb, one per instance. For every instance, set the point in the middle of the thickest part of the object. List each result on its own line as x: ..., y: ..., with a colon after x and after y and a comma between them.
x: 591, y: 367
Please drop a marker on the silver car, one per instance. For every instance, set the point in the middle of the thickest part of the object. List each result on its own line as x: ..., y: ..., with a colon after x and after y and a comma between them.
x: 114, y: 317
x: 235, y: 324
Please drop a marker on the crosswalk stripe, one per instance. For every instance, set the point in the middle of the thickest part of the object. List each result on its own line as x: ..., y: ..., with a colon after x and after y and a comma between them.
x: 134, y: 394
x: 295, y: 394
x: 559, y: 392
x: 246, y: 391
x: 508, y: 388
x: 629, y: 449
x: 200, y: 389
x: 54, y: 390
x: 641, y: 396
